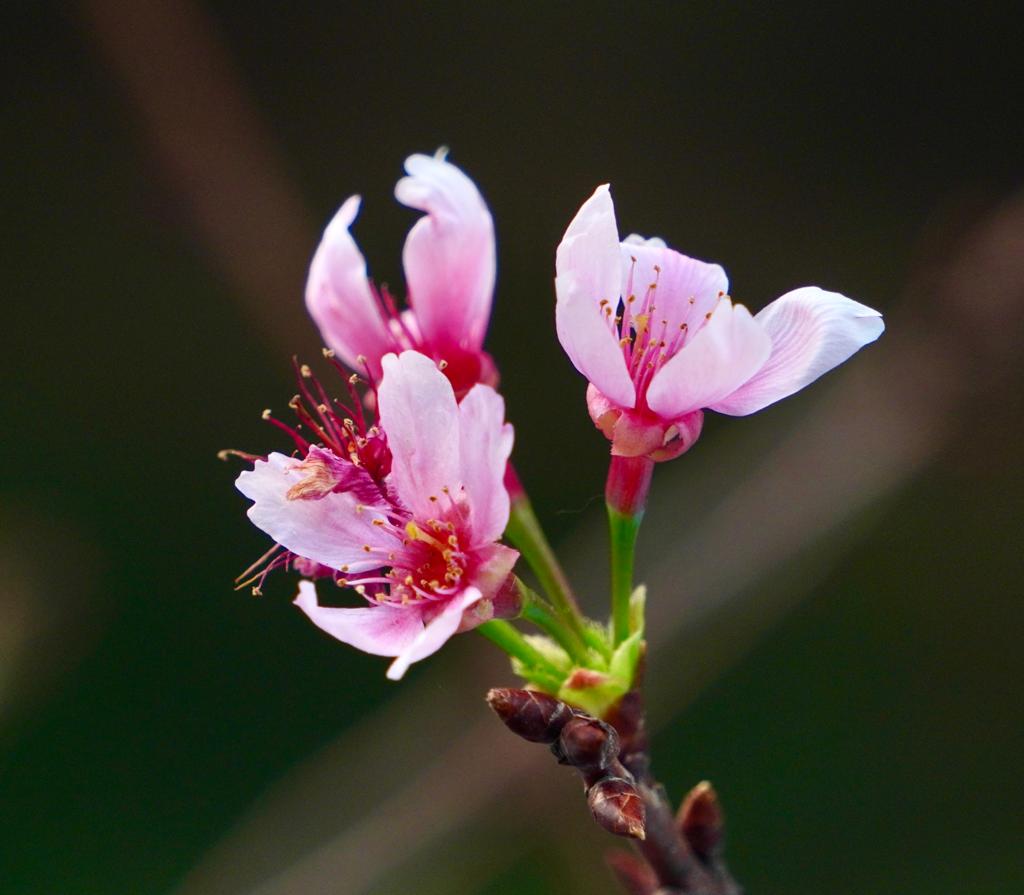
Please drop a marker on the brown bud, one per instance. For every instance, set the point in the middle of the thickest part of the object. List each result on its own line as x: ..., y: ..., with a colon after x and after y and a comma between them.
x: 701, y: 821
x: 633, y: 873
x: 627, y: 717
x: 587, y: 744
x: 534, y: 716
x: 617, y: 806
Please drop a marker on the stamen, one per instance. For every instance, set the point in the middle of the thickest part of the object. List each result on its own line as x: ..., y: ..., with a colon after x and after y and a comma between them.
x: 300, y: 442
x: 244, y: 455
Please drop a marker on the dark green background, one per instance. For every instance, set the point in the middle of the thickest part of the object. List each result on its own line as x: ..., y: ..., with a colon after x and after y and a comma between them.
x: 868, y: 742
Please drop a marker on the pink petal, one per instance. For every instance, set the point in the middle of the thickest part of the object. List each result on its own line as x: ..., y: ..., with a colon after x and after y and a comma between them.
x: 687, y: 288
x: 588, y: 268
x: 339, y: 297
x: 330, y: 530
x: 722, y: 356
x: 485, y: 442
x: 436, y: 632
x: 449, y: 254
x: 381, y: 630
x: 812, y: 331
x: 419, y: 414
x: 493, y: 565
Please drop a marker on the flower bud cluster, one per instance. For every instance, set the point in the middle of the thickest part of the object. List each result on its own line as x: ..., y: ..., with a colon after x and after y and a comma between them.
x: 583, y: 742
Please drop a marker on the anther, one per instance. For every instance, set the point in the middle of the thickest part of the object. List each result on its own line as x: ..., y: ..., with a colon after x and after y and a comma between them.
x: 442, y: 365
x: 305, y: 371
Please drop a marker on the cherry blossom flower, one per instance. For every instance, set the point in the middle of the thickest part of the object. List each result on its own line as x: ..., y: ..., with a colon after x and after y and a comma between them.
x: 449, y: 262
x: 660, y: 340
x: 408, y: 513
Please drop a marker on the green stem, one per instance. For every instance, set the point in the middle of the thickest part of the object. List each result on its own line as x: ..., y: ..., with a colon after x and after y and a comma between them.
x: 623, y: 529
x: 509, y: 639
x: 539, y: 613
x: 527, y: 536
x: 625, y: 493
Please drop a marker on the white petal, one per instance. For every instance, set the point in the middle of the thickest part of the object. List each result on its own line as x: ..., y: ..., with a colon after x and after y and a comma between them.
x: 724, y: 354
x: 332, y: 531
x: 339, y: 298
x: 435, y: 634
x: 588, y: 269
x: 449, y: 254
x: 485, y: 445
x: 812, y: 331
x: 382, y: 630
x: 419, y: 414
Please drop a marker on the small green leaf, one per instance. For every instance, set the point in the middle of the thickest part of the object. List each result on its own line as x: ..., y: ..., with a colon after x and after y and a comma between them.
x: 637, y: 604
x: 550, y: 650
x: 542, y: 678
x: 626, y: 658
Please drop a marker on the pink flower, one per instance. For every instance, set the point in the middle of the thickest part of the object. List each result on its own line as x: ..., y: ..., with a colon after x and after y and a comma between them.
x: 449, y: 272
x: 660, y: 340
x: 415, y: 530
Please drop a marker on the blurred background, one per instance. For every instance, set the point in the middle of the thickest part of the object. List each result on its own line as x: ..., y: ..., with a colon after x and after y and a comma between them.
x: 836, y: 582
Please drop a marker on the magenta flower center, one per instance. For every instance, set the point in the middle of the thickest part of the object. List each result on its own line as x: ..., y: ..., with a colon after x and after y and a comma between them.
x: 464, y: 368
x: 649, y: 338
x: 427, y: 562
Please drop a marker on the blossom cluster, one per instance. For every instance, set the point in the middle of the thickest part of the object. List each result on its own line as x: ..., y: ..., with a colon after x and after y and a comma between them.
x: 401, y: 495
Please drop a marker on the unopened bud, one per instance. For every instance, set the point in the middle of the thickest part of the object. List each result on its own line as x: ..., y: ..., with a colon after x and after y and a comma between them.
x: 587, y: 744
x: 617, y: 806
x: 534, y: 716
x: 633, y: 873
x: 701, y: 821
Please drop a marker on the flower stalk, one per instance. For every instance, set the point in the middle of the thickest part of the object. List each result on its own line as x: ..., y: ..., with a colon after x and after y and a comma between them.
x: 510, y: 640
x: 629, y: 479
x: 538, y: 612
x: 525, y: 532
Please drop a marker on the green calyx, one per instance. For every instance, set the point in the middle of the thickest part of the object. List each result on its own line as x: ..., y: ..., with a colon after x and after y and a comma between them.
x: 596, y: 680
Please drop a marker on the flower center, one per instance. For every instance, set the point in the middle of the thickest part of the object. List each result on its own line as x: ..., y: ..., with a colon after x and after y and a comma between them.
x: 464, y: 368
x: 649, y: 339
x: 427, y: 566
